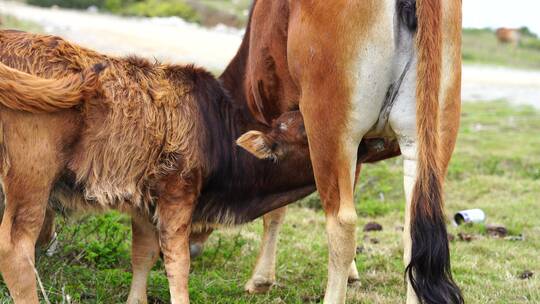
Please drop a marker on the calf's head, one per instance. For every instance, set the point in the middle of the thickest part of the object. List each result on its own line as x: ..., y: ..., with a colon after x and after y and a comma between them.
x: 286, y: 138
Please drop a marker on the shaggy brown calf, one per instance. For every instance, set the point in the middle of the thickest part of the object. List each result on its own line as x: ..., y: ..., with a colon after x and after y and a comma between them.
x: 156, y: 141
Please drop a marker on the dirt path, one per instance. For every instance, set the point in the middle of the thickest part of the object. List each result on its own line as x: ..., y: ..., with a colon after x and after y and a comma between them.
x: 490, y: 83
x: 167, y: 39
x: 173, y: 40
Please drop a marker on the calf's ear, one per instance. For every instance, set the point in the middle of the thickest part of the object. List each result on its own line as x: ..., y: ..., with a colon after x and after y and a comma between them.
x: 258, y: 144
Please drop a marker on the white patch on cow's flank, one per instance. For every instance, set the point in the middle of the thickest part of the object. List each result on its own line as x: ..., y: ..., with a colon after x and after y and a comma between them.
x: 372, y: 77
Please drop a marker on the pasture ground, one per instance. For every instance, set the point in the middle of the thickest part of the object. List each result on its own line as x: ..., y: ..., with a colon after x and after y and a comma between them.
x: 496, y: 167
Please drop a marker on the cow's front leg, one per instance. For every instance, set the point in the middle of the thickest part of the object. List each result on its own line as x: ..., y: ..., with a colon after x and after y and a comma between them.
x: 264, y: 275
x: 176, y: 203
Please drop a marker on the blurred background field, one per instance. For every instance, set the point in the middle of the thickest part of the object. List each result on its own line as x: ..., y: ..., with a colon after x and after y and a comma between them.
x: 496, y: 167
x: 480, y: 45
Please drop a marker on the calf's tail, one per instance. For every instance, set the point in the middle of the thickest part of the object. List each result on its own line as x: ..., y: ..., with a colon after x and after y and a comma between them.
x: 25, y: 92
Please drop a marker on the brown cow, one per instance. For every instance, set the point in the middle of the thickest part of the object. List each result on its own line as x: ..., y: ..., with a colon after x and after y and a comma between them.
x: 508, y: 35
x: 359, y: 70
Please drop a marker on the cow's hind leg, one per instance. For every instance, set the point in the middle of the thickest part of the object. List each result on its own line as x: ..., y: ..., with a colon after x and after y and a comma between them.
x: 335, y: 181
x: 27, y: 191
x: 336, y: 120
x: 264, y: 275
x: 144, y: 254
x: 333, y: 150
x: 353, y: 279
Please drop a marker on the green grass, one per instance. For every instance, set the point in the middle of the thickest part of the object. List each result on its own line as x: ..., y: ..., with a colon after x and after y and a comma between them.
x: 10, y: 22
x: 495, y: 167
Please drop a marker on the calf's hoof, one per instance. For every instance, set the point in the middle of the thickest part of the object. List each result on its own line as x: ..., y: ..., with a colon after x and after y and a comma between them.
x: 354, y: 283
x: 259, y: 285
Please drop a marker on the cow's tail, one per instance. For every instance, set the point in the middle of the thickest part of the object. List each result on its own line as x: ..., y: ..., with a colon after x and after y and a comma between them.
x: 25, y: 92
x: 429, y: 270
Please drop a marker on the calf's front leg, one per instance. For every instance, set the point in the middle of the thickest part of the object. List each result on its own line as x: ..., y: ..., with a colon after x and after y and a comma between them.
x: 264, y: 275
x: 176, y: 203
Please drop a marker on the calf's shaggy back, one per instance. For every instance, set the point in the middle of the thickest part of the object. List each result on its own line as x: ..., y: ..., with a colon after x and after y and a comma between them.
x: 144, y: 124
x: 142, y: 121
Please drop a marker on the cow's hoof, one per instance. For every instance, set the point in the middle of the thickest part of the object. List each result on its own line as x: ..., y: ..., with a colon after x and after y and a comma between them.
x: 195, y: 250
x: 259, y: 285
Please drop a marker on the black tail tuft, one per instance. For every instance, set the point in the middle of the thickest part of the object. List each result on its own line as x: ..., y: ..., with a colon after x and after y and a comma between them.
x: 429, y: 270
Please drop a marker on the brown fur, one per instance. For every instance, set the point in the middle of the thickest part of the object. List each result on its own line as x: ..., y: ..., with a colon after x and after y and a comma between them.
x: 450, y: 105
x: 25, y: 92
x: 154, y: 122
x: 288, y: 136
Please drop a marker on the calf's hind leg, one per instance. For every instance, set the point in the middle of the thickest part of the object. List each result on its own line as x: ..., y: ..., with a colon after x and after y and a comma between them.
x: 27, y: 189
x: 47, y: 230
x: 176, y: 203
